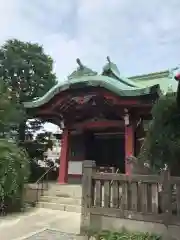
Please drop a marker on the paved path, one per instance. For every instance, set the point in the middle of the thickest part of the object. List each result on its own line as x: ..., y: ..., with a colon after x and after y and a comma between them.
x: 40, y: 224
x: 52, y: 235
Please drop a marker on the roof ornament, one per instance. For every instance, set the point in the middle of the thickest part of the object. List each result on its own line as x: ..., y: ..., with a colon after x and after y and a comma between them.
x: 81, y: 71
x: 79, y: 63
x: 110, y: 69
x: 108, y: 59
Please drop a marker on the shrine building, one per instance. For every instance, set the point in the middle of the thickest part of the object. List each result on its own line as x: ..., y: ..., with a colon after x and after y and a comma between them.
x: 102, y: 116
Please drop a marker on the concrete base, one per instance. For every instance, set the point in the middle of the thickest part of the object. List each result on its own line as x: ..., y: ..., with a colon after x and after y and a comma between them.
x: 116, y: 224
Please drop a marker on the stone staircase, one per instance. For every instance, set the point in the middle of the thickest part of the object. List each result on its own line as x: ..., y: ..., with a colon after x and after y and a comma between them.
x: 62, y: 197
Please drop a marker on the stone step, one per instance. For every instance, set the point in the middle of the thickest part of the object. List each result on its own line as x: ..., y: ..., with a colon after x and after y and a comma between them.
x: 65, y: 187
x: 64, y: 192
x: 61, y: 200
x: 63, y: 195
x: 58, y: 206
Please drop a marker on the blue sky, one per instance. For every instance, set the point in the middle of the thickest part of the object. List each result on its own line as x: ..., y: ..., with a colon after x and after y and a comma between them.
x: 140, y: 36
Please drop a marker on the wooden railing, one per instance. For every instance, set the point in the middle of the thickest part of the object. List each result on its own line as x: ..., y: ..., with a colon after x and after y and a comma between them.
x: 42, y: 182
x: 33, y: 192
x: 151, y: 198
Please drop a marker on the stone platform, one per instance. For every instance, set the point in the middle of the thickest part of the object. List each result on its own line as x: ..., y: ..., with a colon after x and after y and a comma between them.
x: 39, y: 223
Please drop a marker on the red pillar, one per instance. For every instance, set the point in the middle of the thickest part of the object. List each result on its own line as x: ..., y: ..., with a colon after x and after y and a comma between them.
x: 129, y: 146
x: 63, y: 169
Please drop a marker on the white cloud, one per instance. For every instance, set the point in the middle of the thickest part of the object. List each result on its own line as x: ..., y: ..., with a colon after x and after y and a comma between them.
x: 140, y: 36
x: 91, y: 30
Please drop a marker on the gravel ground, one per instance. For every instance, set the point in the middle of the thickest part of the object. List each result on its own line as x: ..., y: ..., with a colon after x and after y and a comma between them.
x: 51, y: 235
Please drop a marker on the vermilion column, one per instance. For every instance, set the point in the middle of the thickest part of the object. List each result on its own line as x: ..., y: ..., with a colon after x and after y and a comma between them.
x: 129, y: 146
x: 63, y: 169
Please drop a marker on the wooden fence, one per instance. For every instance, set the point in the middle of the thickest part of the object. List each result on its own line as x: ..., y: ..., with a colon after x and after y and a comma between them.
x: 150, y: 198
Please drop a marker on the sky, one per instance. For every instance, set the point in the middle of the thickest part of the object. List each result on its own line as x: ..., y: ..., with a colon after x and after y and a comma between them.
x: 139, y: 36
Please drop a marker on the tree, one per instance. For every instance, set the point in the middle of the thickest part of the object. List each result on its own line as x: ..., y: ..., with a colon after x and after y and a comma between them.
x: 162, y: 143
x: 28, y: 72
x: 36, y: 148
x: 26, y: 69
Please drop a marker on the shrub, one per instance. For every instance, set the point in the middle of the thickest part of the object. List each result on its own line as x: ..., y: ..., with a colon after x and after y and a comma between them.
x: 124, y: 235
x: 14, y: 172
x: 162, y: 143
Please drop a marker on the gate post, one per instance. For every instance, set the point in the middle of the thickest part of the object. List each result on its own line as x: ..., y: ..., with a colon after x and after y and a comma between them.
x: 87, y: 195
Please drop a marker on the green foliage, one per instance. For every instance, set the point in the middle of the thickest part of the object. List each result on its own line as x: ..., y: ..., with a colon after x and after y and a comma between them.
x: 26, y: 69
x: 11, y: 112
x: 162, y: 143
x: 35, y: 149
x: 14, y: 171
x: 124, y: 235
x: 14, y: 168
x: 28, y: 72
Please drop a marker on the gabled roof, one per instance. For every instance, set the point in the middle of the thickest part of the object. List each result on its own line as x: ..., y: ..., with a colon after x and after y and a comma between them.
x: 110, y: 79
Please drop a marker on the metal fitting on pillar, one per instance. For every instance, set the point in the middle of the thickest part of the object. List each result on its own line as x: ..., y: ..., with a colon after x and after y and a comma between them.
x: 126, y: 117
x: 62, y: 125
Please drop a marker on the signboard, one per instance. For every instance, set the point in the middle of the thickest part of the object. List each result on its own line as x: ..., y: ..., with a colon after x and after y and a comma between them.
x: 75, y: 167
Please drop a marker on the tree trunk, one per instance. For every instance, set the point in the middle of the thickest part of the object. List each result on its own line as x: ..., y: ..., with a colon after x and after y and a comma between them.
x: 22, y: 134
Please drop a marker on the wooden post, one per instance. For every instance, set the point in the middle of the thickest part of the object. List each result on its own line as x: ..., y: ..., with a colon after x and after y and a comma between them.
x: 129, y: 146
x: 87, y: 195
x: 63, y: 168
x: 166, y: 201
x: 154, y: 198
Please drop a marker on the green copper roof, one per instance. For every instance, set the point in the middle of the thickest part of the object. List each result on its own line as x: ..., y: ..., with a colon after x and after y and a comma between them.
x: 165, y: 79
x: 110, y: 79
x: 81, y: 71
x: 111, y: 70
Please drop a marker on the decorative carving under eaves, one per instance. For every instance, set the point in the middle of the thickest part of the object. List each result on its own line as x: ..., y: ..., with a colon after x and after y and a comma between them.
x: 83, y: 99
x: 81, y: 71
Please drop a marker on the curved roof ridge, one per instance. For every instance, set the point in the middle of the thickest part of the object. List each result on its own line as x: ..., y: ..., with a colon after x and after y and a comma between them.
x: 110, y: 79
x: 108, y: 83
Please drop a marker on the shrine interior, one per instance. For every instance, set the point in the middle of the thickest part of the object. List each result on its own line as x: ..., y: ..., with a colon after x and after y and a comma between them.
x: 106, y: 148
